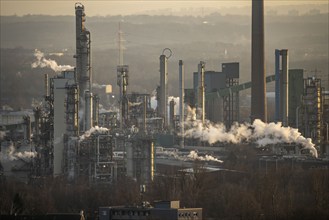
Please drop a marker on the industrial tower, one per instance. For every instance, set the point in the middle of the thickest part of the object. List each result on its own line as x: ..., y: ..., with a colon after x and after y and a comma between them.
x: 83, y: 58
x: 122, y: 81
x: 258, y: 89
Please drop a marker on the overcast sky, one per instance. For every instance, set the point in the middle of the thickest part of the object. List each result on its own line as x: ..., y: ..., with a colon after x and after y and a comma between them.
x: 125, y: 7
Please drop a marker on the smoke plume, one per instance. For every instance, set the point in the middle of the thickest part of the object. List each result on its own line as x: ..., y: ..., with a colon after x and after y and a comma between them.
x: 97, y: 86
x: 194, y: 155
x: 96, y: 129
x: 42, y: 62
x: 132, y: 104
x: 259, y: 132
x: 176, y: 100
x: 2, y: 135
x: 56, y: 54
x: 11, y: 154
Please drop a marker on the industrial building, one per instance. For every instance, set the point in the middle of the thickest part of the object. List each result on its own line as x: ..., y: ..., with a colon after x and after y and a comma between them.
x: 221, y: 108
x: 162, y: 210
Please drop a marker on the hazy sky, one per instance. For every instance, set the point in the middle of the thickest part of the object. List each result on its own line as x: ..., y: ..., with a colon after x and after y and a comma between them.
x: 124, y: 7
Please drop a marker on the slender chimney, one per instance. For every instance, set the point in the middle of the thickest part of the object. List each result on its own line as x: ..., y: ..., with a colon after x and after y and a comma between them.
x: 144, y: 114
x: 201, y: 94
x: 181, y: 100
x: 163, y: 89
x: 277, y: 86
x: 95, y: 110
x: 258, y: 89
x: 284, y: 83
x: 46, y: 85
x: 88, y: 110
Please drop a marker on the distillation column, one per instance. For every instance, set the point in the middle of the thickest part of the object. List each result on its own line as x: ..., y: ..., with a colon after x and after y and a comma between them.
x: 122, y: 82
x: 83, y: 62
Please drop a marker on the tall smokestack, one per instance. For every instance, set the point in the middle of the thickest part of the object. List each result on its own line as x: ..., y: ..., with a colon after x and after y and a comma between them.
x: 277, y: 86
x: 181, y: 100
x: 172, y: 113
x: 258, y: 89
x: 201, y: 92
x: 281, y: 86
x: 284, y: 84
x: 163, y: 88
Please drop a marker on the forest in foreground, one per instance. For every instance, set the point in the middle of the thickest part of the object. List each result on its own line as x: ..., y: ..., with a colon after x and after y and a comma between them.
x: 250, y: 193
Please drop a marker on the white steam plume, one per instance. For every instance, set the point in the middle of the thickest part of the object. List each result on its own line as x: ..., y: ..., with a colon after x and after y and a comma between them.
x: 2, y: 135
x: 11, y: 154
x: 193, y: 155
x: 261, y: 133
x: 92, y: 130
x: 132, y: 104
x: 42, y: 62
x: 56, y: 54
x: 97, y: 86
x: 176, y: 100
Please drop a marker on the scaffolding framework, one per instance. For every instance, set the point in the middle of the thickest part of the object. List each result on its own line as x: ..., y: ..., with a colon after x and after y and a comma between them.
x: 72, y: 131
x: 311, y: 112
x: 231, y: 104
x: 96, y: 159
x: 122, y: 82
x: 141, y: 159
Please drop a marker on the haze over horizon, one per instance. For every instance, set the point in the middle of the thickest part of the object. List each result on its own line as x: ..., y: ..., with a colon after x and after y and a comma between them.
x: 164, y: 7
x: 214, y: 38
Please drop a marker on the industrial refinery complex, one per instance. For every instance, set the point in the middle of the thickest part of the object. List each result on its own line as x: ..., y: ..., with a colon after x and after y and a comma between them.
x: 69, y: 136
